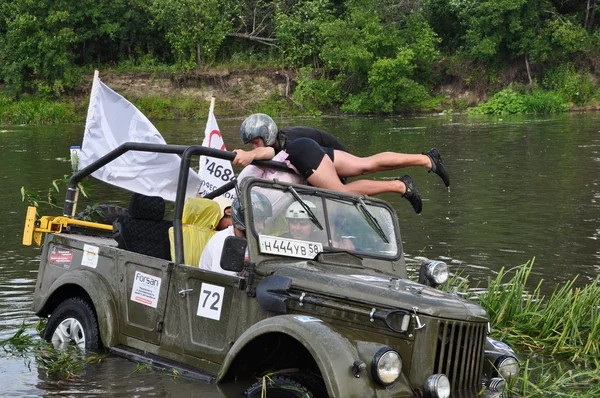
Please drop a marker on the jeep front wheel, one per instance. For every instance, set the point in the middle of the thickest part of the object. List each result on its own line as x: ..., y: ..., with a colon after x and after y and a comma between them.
x: 280, y: 386
x: 73, y: 322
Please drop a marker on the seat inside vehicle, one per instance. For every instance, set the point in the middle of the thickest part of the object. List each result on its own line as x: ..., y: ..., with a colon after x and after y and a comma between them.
x: 144, y: 230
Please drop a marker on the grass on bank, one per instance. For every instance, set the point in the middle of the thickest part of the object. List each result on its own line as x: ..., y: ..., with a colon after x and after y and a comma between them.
x: 563, y: 326
x: 34, y: 110
x: 39, y: 111
x: 567, y: 323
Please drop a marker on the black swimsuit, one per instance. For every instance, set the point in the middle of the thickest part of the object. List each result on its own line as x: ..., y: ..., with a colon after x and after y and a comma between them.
x: 306, y: 147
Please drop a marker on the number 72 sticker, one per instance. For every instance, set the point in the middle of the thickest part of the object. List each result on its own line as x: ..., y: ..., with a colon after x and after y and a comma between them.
x: 211, y: 301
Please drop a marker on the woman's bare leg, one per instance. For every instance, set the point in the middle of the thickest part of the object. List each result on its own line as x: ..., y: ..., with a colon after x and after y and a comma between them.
x: 326, y: 176
x: 348, y: 165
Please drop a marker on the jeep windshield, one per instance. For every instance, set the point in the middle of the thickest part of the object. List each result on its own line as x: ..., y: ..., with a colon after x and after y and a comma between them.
x: 306, y: 221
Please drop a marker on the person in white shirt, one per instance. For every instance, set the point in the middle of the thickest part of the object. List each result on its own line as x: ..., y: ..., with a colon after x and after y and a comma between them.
x: 211, y: 256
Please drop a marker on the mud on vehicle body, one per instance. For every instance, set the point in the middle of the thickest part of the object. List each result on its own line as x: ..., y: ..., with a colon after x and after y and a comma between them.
x: 317, y: 317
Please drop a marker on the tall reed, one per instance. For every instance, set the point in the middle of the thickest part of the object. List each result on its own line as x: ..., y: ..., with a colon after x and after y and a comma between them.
x: 565, y: 324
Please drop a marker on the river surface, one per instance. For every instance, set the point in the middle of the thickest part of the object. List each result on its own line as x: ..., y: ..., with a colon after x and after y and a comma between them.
x: 521, y: 187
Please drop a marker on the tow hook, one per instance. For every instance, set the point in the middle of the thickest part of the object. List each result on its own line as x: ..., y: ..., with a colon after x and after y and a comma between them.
x: 416, y: 316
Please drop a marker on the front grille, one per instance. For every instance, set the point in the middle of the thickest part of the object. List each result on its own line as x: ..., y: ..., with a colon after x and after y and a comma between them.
x: 460, y: 352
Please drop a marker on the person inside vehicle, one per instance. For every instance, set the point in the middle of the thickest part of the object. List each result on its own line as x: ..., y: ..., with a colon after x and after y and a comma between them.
x: 261, y: 209
x: 322, y: 160
x: 300, y: 226
x: 339, y: 241
x: 225, y: 206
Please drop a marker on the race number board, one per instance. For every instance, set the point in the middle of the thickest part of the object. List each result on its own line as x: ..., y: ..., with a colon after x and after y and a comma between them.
x: 211, y: 301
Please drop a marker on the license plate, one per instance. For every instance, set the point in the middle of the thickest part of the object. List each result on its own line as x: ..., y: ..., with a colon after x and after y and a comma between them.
x: 289, y: 247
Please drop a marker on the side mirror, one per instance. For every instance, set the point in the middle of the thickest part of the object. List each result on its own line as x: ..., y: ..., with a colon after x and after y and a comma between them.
x: 234, y: 253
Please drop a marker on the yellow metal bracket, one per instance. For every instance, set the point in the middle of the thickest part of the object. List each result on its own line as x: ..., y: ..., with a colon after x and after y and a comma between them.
x: 34, y: 229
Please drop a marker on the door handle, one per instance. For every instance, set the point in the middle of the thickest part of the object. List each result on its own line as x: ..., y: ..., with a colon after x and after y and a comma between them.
x: 183, y: 292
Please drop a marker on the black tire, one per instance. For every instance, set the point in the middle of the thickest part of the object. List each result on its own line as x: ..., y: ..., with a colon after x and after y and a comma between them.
x: 284, y: 385
x: 109, y: 214
x: 73, y: 322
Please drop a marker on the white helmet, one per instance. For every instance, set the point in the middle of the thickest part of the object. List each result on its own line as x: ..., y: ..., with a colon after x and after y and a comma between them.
x: 296, y: 211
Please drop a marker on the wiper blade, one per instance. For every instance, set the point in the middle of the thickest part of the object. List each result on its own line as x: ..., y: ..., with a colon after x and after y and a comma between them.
x: 310, y: 213
x: 371, y: 220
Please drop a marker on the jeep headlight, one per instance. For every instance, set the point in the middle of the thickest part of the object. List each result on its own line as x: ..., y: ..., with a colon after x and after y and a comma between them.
x: 438, y: 386
x: 434, y: 273
x: 507, y: 366
x: 386, y: 366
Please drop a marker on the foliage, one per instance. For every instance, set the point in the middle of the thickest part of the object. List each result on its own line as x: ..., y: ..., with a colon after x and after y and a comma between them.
x: 297, y: 26
x: 505, y: 102
x: 320, y: 93
x: 380, y: 56
x: 557, y: 380
x: 200, y: 28
x: 68, y: 363
x: 540, y: 101
x: 141, y: 367
x: 511, y: 101
x: 36, y: 111
x: 92, y: 213
x: 34, y: 198
x: 276, y: 106
x: 573, y: 86
x: 565, y: 324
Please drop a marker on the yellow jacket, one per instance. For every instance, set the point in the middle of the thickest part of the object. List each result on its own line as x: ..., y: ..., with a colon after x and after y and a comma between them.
x: 200, y: 219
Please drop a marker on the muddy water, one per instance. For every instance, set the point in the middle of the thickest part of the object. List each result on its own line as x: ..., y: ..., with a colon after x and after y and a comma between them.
x: 522, y: 187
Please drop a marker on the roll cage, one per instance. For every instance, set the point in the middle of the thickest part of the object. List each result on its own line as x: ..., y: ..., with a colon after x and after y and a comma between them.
x: 186, y: 153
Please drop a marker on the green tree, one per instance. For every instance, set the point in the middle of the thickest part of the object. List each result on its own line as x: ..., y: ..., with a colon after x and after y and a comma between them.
x: 43, y: 43
x: 297, y: 27
x: 194, y: 28
x: 36, y: 47
x: 380, y: 50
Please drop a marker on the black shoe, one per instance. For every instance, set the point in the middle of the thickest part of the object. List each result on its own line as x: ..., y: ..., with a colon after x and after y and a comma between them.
x: 437, y: 166
x: 411, y: 194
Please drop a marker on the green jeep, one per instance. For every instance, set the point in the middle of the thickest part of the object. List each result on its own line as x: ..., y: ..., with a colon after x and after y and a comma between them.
x: 332, y: 313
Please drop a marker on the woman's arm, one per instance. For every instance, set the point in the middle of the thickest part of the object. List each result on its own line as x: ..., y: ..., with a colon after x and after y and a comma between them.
x: 244, y: 158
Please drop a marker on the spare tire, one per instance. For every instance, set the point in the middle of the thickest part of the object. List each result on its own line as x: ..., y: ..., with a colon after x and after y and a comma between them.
x: 103, y: 213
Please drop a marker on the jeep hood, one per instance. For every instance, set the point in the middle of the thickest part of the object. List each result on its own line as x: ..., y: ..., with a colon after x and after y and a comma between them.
x: 376, y: 289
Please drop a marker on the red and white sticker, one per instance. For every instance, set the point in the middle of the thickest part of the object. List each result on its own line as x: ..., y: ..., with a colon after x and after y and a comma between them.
x: 146, y: 289
x: 61, y: 257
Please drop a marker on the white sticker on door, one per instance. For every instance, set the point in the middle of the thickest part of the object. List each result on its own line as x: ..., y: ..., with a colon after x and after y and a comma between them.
x: 146, y: 289
x: 211, y: 301
x: 90, y: 256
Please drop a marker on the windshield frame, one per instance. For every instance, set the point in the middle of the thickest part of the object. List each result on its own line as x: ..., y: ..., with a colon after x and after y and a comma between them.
x: 327, y: 196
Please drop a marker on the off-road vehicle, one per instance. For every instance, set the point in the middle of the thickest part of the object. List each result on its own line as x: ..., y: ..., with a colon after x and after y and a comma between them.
x: 330, y: 315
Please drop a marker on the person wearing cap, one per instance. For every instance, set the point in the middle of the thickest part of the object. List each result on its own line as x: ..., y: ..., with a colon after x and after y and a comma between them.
x: 322, y: 159
x: 225, y: 206
x: 261, y: 209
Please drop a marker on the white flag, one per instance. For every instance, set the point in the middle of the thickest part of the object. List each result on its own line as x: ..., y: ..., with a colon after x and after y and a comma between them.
x: 214, y: 172
x: 112, y: 121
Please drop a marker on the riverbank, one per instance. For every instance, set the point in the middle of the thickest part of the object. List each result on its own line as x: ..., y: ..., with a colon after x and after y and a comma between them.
x: 239, y: 92
x: 164, y: 96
